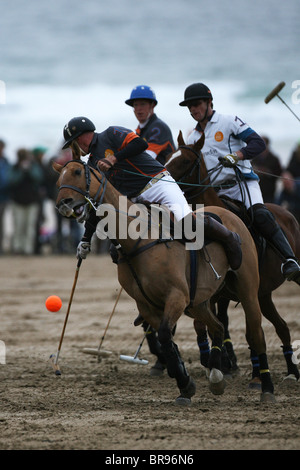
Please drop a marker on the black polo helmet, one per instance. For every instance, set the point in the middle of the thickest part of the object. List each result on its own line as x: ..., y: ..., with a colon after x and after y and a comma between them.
x: 196, y: 91
x: 75, y: 127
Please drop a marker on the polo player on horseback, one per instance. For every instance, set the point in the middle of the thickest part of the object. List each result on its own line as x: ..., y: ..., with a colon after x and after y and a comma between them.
x: 230, y: 141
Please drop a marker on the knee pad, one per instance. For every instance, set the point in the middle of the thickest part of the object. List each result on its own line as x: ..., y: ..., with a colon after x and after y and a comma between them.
x: 264, y: 220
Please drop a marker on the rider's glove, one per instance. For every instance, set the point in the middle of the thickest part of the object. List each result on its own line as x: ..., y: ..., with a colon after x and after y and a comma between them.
x: 83, y: 249
x: 229, y: 160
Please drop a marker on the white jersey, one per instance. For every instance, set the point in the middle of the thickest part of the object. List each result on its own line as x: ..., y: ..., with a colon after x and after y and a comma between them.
x: 224, y: 134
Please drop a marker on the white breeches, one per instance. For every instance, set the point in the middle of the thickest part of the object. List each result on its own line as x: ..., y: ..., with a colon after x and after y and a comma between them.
x: 166, y: 192
x: 243, y: 196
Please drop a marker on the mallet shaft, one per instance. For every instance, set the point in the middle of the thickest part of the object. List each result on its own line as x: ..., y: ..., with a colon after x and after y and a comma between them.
x: 110, y: 317
x: 54, y: 358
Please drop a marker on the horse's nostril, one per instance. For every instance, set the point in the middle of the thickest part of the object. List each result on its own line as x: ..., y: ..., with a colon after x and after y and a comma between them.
x: 65, y: 201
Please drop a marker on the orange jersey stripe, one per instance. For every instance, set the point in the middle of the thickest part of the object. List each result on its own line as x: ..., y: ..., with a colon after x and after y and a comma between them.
x: 156, y: 148
x: 131, y: 136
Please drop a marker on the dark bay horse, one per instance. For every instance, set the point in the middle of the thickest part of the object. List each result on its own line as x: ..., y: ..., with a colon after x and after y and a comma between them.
x: 187, y: 166
x: 157, y: 274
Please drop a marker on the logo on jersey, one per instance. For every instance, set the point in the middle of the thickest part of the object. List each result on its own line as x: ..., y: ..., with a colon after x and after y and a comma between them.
x: 219, y: 136
x: 108, y: 152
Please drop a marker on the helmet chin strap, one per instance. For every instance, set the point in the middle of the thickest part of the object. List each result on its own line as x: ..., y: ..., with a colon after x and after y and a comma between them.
x: 205, y: 115
x: 83, y: 153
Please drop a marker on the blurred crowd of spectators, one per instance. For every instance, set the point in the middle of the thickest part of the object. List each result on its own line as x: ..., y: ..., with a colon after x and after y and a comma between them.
x: 29, y: 222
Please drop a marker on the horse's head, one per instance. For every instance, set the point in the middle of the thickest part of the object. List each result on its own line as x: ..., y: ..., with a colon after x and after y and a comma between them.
x: 73, y: 189
x: 182, y: 162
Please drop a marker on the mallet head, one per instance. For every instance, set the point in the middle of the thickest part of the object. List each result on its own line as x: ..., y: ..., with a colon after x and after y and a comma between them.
x: 274, y: 92
x: 133, y: 360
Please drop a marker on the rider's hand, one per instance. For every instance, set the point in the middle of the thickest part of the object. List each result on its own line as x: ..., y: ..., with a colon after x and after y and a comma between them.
x: 83, y: 249
x: 229, y: 160
x: 106, y: 163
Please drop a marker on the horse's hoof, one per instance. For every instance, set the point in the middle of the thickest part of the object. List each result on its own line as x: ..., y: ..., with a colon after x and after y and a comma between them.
x: 255, y: 384
x: 289, y: 382
x: 216, y: 382
x: 267, y: 397
x: 156, y: 371
x: 189, y: 390
x: 183, y: 401
x: 290, y: 378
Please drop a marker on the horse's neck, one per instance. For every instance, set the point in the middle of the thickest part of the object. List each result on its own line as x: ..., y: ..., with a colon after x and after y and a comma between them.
x: 211, y: 198
x: 207, y: 195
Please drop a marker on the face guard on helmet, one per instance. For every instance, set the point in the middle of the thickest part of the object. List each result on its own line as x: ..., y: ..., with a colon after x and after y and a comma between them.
x: 141, y: 92
x: 75, y: 127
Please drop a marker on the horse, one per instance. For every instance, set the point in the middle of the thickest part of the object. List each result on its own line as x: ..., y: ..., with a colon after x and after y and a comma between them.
x: 187, y: 166
x: 157, y: 273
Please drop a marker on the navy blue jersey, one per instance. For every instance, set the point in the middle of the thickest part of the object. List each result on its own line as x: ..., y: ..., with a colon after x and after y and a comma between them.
x: 133, y: 170
x: 159, y: 138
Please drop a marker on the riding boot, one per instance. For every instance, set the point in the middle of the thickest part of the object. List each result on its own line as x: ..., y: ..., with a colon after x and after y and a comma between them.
x: 267, y: 226
x: 230, y: 241
x: 290, y: 268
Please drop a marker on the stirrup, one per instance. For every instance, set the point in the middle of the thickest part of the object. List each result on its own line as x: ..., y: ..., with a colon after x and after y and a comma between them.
x: 294, y: 272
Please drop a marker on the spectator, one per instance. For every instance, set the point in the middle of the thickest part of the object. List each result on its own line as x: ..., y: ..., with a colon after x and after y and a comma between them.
x: 24, y: 180
x: 38, y: 155
x: 290, y: 195
x: 269, y: 168
x: 4, y: 193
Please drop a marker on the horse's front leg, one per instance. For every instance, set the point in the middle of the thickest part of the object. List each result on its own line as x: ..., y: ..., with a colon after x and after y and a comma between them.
x: 204, y: 316
x: 175, y: 364
x: 203, y: 342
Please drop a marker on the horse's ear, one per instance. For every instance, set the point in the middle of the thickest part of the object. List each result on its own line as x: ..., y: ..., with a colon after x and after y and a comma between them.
x: 199, y: 144
x: 75, y: 150
x: 180, y: 139
x: 57, y: 167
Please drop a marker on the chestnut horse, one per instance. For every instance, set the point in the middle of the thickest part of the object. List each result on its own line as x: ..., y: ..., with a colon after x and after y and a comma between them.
x: 187, y: 166
x: 157, y: 274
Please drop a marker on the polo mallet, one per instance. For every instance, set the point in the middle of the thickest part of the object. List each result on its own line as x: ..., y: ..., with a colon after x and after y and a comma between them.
x: 54, y: 357
x: 135, y: 359
x: 274, y: 93
x: 98, y: 352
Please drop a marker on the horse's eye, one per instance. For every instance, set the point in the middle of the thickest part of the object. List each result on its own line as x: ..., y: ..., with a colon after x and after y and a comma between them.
x: 78, y: 172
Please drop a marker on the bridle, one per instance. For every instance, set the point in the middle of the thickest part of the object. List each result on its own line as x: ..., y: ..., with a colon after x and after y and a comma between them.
x: 86, y: 193
x: 195, y: 167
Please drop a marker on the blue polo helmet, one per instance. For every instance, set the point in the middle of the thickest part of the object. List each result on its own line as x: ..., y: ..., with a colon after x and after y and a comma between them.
x: 141, y: 92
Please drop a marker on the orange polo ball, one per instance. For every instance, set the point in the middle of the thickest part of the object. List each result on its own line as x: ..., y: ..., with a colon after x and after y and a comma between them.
x: 53, y: 303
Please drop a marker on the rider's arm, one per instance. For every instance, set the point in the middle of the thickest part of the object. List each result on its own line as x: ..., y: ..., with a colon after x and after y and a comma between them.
x: 132, y: 146
x: 90, y: 226
x: 255, y: 145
